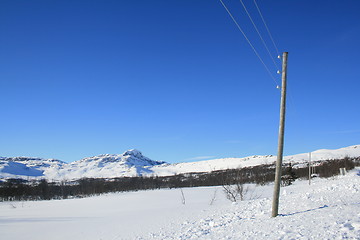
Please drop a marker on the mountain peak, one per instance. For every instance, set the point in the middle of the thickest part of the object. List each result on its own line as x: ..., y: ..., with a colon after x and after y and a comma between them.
x: 134, y: 153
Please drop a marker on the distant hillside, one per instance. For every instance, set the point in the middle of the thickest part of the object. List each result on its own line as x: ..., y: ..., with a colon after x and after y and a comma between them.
x: 132, y: 163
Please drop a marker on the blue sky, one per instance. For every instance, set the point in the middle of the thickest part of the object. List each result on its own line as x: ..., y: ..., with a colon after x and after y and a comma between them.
x: 175, y: 79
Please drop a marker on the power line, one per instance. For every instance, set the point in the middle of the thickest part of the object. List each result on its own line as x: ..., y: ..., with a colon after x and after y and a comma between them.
x: 257, y: 30
x: 290, y: 98
x: 247, y: 39
x: 272, y: 39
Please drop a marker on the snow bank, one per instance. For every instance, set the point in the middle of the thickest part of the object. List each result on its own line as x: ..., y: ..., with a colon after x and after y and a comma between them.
x: 327, y: 209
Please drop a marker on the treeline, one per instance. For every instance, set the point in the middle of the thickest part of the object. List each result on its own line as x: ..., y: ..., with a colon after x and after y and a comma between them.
x: 17, y: 189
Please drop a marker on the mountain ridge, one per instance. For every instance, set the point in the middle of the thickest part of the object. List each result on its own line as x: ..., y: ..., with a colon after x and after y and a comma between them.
x: 133, y: 163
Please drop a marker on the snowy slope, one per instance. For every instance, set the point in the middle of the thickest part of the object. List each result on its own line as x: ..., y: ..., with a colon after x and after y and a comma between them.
x: 327, y: 209
x: 25, y: 167
x: 129, y: 164
x: 231, y: 163
x: 133, y: 163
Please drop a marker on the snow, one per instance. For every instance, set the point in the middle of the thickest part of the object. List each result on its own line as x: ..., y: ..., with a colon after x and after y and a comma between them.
x: 133, y: 163
x: 28, y: 168
x: 327, y: 209
x: 231, y: 163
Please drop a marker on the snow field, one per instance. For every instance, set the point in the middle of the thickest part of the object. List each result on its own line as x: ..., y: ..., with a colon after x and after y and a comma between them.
x: 327, y: 209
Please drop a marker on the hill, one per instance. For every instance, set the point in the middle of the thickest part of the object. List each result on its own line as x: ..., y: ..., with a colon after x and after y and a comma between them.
x: 133, y: 163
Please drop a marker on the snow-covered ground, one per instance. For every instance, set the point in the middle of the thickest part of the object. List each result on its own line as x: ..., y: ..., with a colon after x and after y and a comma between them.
x: 327, y: 209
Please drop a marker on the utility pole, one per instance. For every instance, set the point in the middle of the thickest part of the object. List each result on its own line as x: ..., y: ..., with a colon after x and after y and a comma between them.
x: 309, y: 168
x: 275, y: 204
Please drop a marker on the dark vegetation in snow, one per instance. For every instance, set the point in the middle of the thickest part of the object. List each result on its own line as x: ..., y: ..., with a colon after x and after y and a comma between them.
x: 17, y: 189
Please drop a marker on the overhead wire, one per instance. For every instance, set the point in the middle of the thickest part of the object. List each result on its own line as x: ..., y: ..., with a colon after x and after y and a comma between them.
x: 247, y: 39
x: 272, y: 39
x: 258, y: 32
x: 291, y: 101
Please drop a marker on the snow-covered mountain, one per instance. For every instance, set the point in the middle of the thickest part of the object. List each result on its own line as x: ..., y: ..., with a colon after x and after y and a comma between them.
x: 232, y: 163
x: 27, y: 167
x: 130, y: 163
x: 133, y: 163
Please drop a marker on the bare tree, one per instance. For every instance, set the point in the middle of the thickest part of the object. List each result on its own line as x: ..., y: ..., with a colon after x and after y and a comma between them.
x: 233, y: 187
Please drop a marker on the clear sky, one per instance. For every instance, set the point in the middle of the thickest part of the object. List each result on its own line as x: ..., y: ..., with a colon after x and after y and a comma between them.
x: 175, y: 79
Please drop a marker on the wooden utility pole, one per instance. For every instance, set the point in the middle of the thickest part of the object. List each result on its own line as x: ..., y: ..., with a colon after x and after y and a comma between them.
x: 275, y: 204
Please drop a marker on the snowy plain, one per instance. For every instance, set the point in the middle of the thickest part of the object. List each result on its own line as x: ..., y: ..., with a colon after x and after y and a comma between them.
x: 327, y: 209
